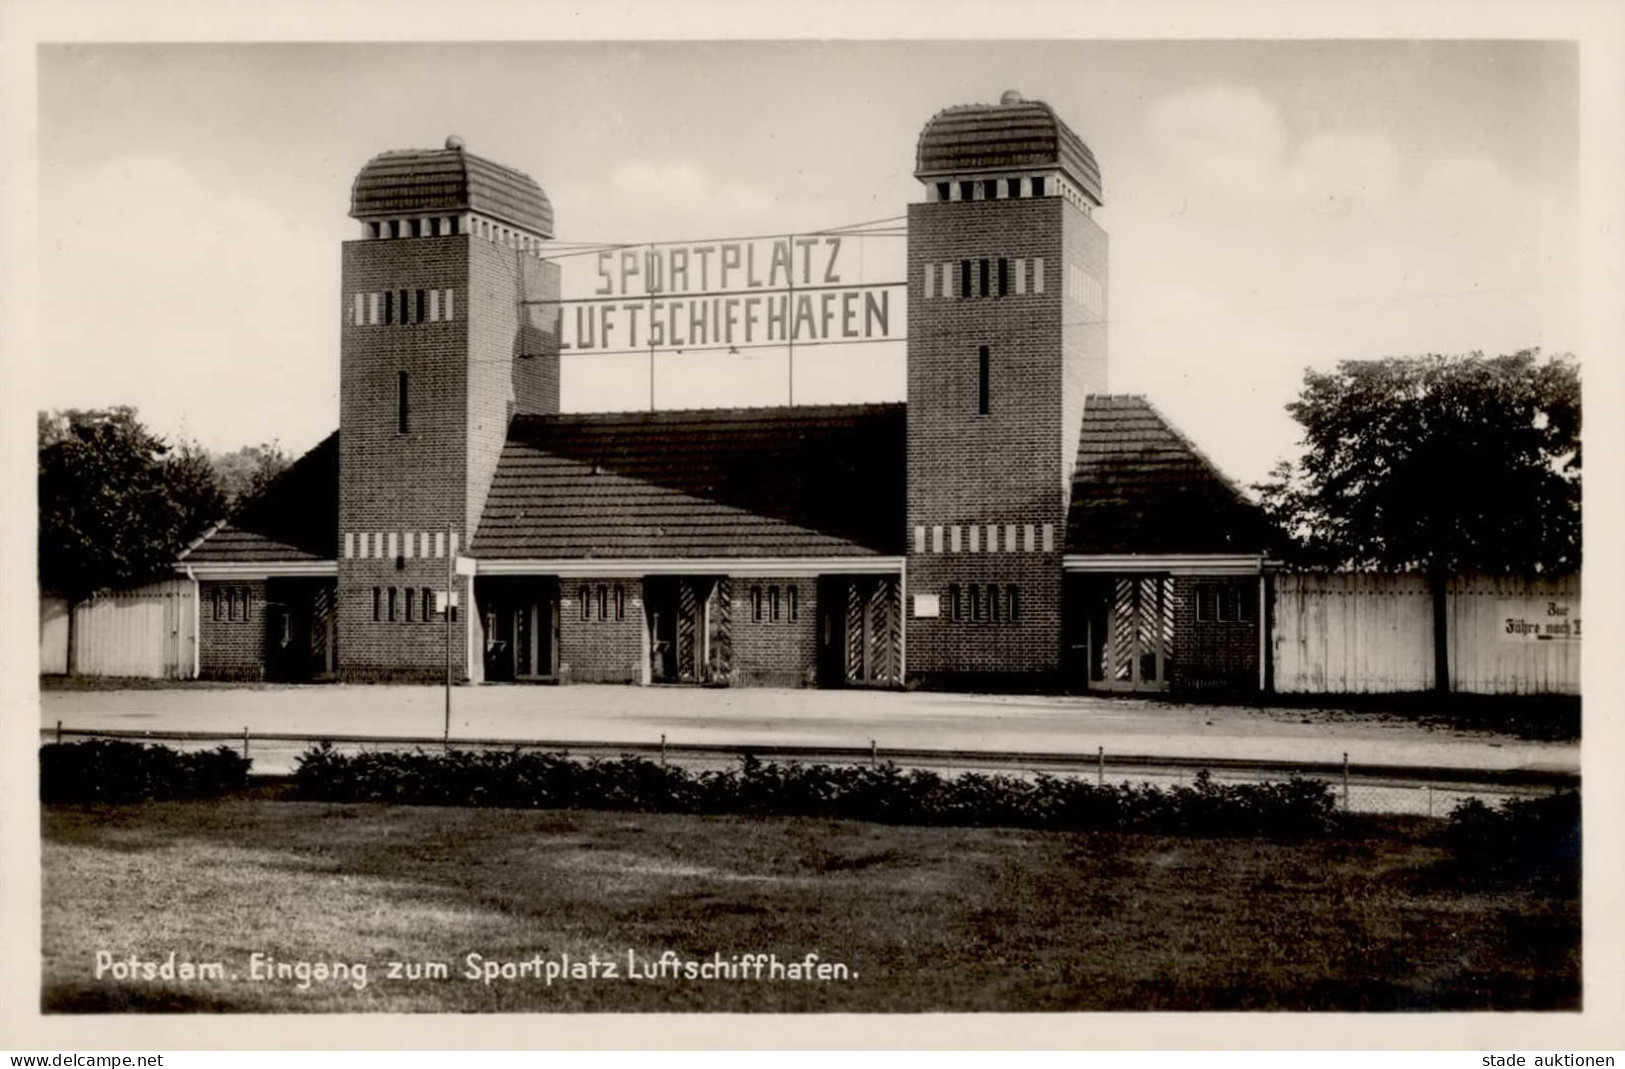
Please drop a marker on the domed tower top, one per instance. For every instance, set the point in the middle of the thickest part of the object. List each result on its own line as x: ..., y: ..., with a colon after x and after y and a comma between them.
x: 1014, y: 139
x: 413, y: 183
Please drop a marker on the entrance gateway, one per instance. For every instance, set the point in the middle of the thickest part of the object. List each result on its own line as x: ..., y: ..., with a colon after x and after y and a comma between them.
x: 1013, y: 524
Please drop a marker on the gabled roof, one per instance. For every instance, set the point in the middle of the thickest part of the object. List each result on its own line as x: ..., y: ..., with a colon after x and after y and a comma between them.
x: 296, y: 519
x: 807, y: 481
x: 1141, y: 487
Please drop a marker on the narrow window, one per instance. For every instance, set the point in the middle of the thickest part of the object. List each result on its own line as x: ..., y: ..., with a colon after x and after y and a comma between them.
x: 1038, y: 187
x: 408, y: 604
x: 1013, y: 187
x: 953, y: 602
x: 603, y: 602
x: 993, y: 602
x: 983, y: 390
x: 216, y: 599
x: 976, y: 602
x: 1004, y: 277
x: 428, y: 604
x: 245, y: 603
x: 620, y: 602
x: 967, y: 191
x: 401, y: 404
x: 389, y: 307
x: 231, y: 603
x: 756, y: 603
x: 1206, y: 607
x: 964, y: 278
x: 990, y: 189
x: 422, y: 305
x: 793, y: 606
x: 1012, y: 602
x: 942, y: 191
x: 406, y: 311
x: 377, y: 595
x: 773, y: 602
x: 392, y: 594
x: 373, y: 228
x: 586, y: 603
x: 982, y: 288
x: 1227, y: 604
x: 1246, y: 608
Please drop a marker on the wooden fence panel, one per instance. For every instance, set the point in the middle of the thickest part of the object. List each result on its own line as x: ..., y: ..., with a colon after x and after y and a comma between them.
x: 145, y: 632
x: 1372, y: 633
x: 53, y: 635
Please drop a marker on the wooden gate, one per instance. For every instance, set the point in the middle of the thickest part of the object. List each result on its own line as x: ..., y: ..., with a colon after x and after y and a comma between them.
x: 1130, y: 638
x: 872, y: 631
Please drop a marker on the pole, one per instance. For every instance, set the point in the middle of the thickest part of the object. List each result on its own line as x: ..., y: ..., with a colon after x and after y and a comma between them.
x: 1100, y: 766
x: 647, y: 263
x: 59, y: 733
x: 245, y: 741
x: 790, y: 320
x: 1345, y: 781
x: 451, y: 566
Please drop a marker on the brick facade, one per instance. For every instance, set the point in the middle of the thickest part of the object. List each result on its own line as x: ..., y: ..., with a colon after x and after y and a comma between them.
x: 775, y: 652
x: 1219, y: 653
x: 1010, y: 465
x: 470, y: 363
x: 232, y: 645
x: 597, y: 646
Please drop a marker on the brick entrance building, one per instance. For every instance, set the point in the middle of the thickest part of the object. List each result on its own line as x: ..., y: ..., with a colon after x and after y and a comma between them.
x: 1012, y: 525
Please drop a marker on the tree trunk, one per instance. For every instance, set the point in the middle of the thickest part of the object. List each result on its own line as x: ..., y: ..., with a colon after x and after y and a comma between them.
x: 73, y: 644
x: 1441, y: 633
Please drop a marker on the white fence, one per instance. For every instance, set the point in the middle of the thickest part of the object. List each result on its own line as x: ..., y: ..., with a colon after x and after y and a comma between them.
x: 1373, y: 633
x: 147, y: 631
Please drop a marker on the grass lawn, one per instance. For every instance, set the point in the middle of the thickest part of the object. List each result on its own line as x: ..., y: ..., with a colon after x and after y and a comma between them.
x: 923, y: 919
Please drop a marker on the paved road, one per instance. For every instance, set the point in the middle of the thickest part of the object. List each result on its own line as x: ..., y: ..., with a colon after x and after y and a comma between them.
x: 806, y: 717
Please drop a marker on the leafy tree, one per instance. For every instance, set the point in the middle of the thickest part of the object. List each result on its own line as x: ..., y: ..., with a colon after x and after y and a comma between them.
x: 244, y: 474
x: 117, y: 504
x: 1440, y: 464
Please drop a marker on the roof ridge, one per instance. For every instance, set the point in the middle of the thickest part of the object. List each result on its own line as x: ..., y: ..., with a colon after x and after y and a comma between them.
x: 1207, y: 461
x: 645, y: 414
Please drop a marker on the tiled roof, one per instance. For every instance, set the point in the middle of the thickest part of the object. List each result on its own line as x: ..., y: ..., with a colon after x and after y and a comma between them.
x: 296, y: 519
x: 1141, y: 487
x: 762, y: 482
x: 1001, y: 137
x: 432, y: 181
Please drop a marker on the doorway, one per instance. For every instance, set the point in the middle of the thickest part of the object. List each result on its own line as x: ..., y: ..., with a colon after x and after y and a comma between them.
x: 299, y: 629
x: 689, y: 628
x: 1121, y: 628
x: 860, y: 631
x: 520, y: 620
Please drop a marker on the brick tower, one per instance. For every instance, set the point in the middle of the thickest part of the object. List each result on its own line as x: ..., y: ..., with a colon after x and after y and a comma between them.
x: 1006, y: 336
x: 443, y: 343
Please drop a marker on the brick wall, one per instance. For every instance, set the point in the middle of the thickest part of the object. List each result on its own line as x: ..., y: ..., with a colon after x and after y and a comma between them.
x: 227, y: 648
x: 1010, y: 465
x: 769, y: 652
x: 466, y: 376
x: 1214, y: 654
x: 601, y: 648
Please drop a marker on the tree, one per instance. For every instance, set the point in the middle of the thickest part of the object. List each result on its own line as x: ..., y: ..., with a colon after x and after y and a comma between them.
x: 244, y: 474
x: 116, y: 503
x: 1440, y: 464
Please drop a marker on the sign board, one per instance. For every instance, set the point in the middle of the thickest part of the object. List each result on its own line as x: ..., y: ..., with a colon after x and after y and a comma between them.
x: 440, y: 601
x: 465, y: 566
x: 927, y: 605
x: 1542, y: 620
x: 727, y: 293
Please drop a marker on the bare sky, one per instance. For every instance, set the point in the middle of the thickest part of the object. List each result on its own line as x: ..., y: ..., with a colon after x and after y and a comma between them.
x: 1270, y: 206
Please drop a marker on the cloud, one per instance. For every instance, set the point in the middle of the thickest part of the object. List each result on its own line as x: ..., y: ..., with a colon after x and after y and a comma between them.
x: 683, y: 185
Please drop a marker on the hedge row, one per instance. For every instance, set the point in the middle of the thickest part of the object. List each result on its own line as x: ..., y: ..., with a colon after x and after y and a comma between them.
x: 100, y: 770
x: 1525, y: 840
x: 882, y: 793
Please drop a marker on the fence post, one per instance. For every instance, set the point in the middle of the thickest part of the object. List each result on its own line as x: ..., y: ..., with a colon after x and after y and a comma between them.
x: 1430, y: 801
x: 59, y: 733
x: 1100, y: 766
x: 662, y: 749
x: 874, y: 756
x: 245, y: 741
x: 1345, y: 781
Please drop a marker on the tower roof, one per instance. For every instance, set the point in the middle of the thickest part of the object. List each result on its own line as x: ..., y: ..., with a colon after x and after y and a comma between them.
x: 1013, y: 134
x: 431, y: 181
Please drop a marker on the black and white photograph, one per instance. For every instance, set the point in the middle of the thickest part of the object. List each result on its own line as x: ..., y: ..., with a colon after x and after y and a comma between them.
x: 796, y: 525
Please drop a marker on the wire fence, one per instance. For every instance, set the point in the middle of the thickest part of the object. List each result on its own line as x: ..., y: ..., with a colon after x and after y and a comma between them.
x: 1358, y: 788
